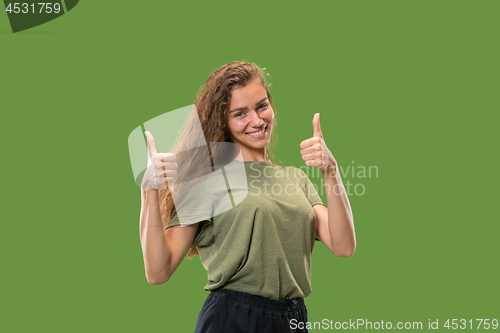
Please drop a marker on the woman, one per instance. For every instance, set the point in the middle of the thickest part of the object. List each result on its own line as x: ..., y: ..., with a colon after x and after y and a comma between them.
x: 257, y: 253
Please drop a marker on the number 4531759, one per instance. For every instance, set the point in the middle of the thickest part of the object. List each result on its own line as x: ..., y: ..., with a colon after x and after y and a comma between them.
x: 463, y: 324
x: 41, y: 7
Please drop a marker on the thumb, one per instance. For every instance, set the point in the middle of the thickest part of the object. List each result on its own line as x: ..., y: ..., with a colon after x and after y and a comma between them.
x: 317, y: 128
x: 151, y: 144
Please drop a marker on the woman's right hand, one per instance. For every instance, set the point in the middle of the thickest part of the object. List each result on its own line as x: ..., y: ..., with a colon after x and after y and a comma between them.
x: 161, y: 168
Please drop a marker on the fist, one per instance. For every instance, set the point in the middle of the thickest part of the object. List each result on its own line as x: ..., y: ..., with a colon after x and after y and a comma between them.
x: 161, y: 169
x: 315, y: 152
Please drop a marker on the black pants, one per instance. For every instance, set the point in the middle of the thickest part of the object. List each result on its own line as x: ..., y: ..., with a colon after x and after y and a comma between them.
x: 227, y: 311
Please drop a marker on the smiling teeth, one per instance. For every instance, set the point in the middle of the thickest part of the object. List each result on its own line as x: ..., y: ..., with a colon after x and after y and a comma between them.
x: 257, y: 133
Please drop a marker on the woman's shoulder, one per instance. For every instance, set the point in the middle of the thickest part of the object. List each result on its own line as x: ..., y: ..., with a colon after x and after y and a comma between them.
x: 296, y: 173
x: 294, y: 170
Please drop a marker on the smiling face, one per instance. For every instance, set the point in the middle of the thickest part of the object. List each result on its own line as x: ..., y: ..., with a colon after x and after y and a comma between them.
x: 250, y: 120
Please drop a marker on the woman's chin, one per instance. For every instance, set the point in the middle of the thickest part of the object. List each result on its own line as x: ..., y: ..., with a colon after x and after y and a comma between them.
x: 260, y: 145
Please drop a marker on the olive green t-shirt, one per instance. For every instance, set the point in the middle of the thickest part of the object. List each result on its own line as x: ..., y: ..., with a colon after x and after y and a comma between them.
x: 263, y: 245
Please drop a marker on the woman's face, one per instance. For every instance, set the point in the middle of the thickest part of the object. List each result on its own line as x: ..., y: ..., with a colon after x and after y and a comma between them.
x: 251, y: 117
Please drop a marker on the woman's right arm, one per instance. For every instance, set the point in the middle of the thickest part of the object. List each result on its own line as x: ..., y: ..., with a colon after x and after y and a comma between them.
x: 163, y: 251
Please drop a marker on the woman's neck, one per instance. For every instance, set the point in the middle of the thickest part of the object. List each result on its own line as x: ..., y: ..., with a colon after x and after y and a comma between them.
x: 255, y: 155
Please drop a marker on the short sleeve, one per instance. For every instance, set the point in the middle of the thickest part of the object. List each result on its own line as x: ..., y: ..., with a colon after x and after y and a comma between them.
x: 309, y: 190
x: 201, y: 233
x: 194, y: 206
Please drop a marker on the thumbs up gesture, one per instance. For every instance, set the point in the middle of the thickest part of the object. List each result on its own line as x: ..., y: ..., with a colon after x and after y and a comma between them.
x: 315, y: 152
x: 161, y: 168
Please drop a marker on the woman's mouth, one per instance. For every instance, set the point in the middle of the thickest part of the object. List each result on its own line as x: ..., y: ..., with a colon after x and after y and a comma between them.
x: 258, y: 134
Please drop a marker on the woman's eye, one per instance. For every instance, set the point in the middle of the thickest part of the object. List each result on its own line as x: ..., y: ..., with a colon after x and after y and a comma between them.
x: 239, y: 114
x: 262, y: 106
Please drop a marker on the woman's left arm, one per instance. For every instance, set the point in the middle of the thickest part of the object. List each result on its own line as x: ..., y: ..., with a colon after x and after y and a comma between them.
x: 334, y: 225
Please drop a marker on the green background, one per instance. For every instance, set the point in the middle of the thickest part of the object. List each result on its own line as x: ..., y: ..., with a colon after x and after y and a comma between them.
x: 408, y: 86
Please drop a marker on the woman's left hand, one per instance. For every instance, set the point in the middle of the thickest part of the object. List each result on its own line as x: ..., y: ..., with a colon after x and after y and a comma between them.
x: 315, y: 152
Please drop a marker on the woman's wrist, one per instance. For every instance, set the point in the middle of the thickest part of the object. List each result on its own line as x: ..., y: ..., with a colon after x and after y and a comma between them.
x: 331, y: 173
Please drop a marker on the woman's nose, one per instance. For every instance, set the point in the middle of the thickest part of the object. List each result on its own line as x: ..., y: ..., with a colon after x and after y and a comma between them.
x: 255, y: 119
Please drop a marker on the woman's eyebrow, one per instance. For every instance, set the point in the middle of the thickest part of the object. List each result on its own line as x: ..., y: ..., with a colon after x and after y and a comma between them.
x: 244, y: 107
